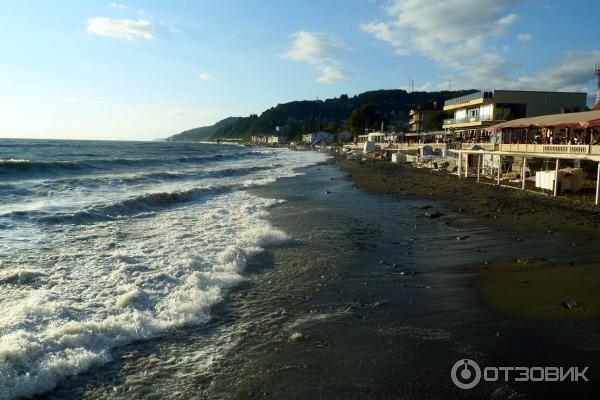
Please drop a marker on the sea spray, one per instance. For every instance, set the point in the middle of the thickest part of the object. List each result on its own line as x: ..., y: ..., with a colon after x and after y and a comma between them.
x: 86, y: 268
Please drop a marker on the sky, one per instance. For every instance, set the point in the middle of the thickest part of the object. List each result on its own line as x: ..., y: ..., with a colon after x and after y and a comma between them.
x: 142, y: 70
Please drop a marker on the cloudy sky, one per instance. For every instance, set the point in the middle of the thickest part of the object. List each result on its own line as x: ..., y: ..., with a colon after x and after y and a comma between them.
x: 148, y: 69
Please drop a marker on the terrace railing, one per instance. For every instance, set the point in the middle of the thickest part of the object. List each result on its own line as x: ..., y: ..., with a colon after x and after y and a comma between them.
x: 548, y: 148
x: 594, y: 149
x: 476, y: 118
x: 484, y: 146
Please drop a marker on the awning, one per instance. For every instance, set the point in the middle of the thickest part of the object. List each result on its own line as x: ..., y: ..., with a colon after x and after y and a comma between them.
x: 425, y: 134
x: 587, y: 119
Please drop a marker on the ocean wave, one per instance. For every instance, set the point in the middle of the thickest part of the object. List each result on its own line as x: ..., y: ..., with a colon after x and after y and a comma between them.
x: 20, y: 276
x: 151, y: 177
x: 144, y: 205
x: 136, y: 207
x: 31, y: 169
x: 83, y: 289
x: 35, y: 361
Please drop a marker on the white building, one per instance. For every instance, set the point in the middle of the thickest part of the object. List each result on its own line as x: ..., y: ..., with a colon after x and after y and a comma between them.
x: 321, y: 136
x: 276, y: 140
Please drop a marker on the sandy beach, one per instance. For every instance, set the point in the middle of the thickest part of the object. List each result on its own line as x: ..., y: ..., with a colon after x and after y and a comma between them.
x: 536, y: 287
x: 376, y: 300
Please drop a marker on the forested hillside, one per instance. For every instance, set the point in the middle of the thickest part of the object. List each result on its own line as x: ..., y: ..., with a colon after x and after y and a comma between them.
x: 298, y: 117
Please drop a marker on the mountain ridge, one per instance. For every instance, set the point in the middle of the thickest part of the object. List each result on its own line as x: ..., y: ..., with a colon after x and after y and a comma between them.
x: 303, y: 116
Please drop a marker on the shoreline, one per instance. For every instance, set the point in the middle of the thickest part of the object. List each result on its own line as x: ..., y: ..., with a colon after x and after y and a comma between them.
x: 559, y: 282
x: 368, y: 300
x: 391, y: 296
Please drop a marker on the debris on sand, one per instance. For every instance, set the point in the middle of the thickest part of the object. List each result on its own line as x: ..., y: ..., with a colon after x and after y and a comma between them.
x: 570, y: 304
x: 433, y: 214
x: 296, y: 337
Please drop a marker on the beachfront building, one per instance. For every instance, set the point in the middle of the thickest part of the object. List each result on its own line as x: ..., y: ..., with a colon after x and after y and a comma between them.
x: 473, y: 113
x: 554, y: 140
x: 318, y: 137
x: 426, y: 117
x: 275, y: 140
x: 258, y: 139
x: 379, y: 137
x: 573, y: 133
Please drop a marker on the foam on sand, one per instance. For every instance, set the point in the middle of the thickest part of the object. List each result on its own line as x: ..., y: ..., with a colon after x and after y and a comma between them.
x: 106, y: 284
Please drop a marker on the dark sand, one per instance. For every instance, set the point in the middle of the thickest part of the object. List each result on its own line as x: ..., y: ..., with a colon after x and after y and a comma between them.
x: 383, y: 301
x: 521, y: 286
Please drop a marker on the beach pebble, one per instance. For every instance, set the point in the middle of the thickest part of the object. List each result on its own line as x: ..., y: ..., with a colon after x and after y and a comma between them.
x: 296, y: 337
x: 523, y: 260
x: 377, y: 305
x: 571, y: 304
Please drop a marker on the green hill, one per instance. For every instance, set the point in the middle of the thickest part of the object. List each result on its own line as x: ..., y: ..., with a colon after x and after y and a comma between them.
x: 298, y: 117
x: 203, y: 133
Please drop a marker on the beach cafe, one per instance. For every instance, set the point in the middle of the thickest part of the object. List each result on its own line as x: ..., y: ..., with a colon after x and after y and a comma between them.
x: 572, y: 136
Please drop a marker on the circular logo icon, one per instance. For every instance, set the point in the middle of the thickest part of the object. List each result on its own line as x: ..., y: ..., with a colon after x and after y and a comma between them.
x: 465, y: 374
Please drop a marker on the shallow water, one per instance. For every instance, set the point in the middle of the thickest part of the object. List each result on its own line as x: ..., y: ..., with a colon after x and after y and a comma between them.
x: 104, y: 244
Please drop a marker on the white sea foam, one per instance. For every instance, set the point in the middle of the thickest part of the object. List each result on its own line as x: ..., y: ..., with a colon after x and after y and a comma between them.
x: 107, y: 284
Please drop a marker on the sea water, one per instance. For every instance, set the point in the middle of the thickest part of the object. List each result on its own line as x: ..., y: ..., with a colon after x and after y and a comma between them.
x: 103, y: 244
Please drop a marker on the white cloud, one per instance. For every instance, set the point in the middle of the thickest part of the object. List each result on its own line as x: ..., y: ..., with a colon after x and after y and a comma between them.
x: 330, y: 74
x: 447, y: 31
x: 524, y: 37
x: 456, y: 34
x: 572, y: 72
x: 314, y: 48
x: 507, y: 20
x: 118, y: 5
x: 386, y: 33
x: 205, y: 76
x: 319, y: 50
x: 129, y: 29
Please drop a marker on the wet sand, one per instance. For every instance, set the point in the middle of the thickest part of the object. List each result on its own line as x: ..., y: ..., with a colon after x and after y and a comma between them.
x: 552, y: 287
x: 376, y: 301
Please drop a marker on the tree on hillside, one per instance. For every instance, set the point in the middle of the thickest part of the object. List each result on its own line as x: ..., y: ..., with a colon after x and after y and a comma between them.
x: 331, y: 127
x: 364, y: 117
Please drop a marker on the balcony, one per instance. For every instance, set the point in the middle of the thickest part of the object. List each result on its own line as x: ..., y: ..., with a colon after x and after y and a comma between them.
x: 466, y: 120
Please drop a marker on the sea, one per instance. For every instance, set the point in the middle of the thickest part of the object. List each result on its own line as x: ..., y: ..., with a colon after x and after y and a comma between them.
x: 105, y: 243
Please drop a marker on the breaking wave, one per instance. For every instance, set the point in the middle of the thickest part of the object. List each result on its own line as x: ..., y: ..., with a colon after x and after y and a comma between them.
x: 99, y: 254
x: 31, y: 169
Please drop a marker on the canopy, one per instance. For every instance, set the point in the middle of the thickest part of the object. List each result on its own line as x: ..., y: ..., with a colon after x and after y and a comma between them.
x: 587, y: 119
x: 423, y: 134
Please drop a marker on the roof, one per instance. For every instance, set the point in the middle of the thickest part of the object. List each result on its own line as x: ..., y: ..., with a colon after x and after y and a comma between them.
x: 432, y: 105
x: 434, y: 133
x: 586, y: 119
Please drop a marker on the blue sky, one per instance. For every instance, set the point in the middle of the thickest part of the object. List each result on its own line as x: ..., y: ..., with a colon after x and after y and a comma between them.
x: 148, y: 69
